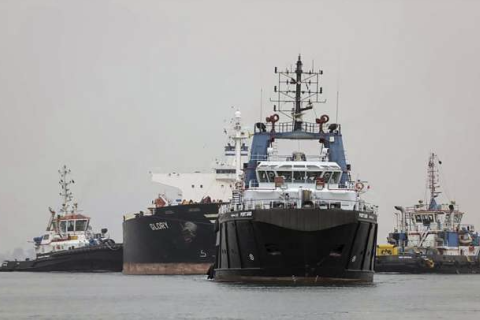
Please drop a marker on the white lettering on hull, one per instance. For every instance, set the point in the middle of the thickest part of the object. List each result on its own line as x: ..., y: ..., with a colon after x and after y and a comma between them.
x: 159, y: 226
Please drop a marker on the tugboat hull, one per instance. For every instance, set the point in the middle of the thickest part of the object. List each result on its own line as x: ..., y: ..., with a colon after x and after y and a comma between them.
x: 174, y: 240
x: 100, y: 258
x: 415, y: 264
x: 296, y: 245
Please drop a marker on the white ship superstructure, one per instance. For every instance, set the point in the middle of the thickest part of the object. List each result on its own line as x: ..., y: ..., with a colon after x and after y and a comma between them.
x: 217, y: 184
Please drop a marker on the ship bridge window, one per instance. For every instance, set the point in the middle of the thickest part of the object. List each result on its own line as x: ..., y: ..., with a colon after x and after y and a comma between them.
x: 225, y: 171
x: 266, y: 176
x: 313, y: 175
x: 336, y: 177
x: 271, y: 176
x: 418, y: 218
x: 287, y: 175
x: 326, y: 176
x: 70, y: 225
x: 262, y: 176
x: 80, y: 225
x: 63, y: 226
x: 299, y: 176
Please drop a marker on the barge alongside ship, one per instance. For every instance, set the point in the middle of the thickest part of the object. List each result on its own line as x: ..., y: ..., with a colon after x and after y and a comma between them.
x: 296, y: 218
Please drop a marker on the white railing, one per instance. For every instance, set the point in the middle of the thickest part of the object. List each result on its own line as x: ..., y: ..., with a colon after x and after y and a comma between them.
x: 259, y: 204
x: 289, y: 157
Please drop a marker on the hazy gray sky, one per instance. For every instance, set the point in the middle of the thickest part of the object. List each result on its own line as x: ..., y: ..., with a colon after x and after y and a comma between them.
x: 115, y: 88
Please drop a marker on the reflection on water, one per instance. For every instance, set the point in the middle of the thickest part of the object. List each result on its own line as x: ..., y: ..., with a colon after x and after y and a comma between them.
x: 108, y: 296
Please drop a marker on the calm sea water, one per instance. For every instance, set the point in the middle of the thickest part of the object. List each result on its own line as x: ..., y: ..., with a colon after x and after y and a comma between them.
x: 117, y: 296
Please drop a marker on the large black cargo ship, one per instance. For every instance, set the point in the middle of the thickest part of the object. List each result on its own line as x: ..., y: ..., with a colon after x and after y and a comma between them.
x: 68, y: 243
x: 175, y: 239
x: 296, y: 218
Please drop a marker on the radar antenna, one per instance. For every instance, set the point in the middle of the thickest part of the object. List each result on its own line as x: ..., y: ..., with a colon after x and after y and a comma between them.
x: 308, y: 94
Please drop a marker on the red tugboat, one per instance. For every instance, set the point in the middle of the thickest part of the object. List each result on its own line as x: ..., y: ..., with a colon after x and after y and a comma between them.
x: 69, y: 244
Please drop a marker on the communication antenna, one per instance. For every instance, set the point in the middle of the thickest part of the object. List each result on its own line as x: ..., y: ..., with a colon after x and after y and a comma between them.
x: 298, y: 87
x: 66, y: 194
x: 261, y: 104
x: 336, y: 110
x: 433, y: 180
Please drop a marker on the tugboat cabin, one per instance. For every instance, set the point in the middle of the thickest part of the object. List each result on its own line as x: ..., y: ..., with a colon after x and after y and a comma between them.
x: 65, y: 233
x: 301, y: 181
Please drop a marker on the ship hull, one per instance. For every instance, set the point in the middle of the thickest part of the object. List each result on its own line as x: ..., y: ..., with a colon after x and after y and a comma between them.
x: 415, y: 264
x: 174, y: 240
x: 100, y: 258
x: 296, y: 246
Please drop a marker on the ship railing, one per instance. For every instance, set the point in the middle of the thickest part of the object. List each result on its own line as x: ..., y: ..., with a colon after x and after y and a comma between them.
x: 284, y: 127
x: 129, y: 216
x: 259, y: 204
x: 285, y: 157
x: 348, y: 185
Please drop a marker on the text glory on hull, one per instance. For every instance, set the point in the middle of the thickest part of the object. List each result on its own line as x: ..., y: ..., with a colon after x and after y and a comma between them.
x: 430, y: 237
x: 296, y: 218
x: 176, y: 235
x: 68, y: 244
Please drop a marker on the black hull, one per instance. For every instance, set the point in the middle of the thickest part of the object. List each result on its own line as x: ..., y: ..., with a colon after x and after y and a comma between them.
x: 296, y: 245
x: 89, y: 259
x: 415, y: 264
x: 174, y: 240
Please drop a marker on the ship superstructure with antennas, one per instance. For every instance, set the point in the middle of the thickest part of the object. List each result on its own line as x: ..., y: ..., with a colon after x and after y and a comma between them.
x: 68, y: 243
x: 430, y: 236
x: 296, y: 217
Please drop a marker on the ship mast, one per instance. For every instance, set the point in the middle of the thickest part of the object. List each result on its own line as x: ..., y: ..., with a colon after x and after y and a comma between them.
x: 309, y: 94
x: 66, y: 194
x: 238, y: 134
x: 433, y: 181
